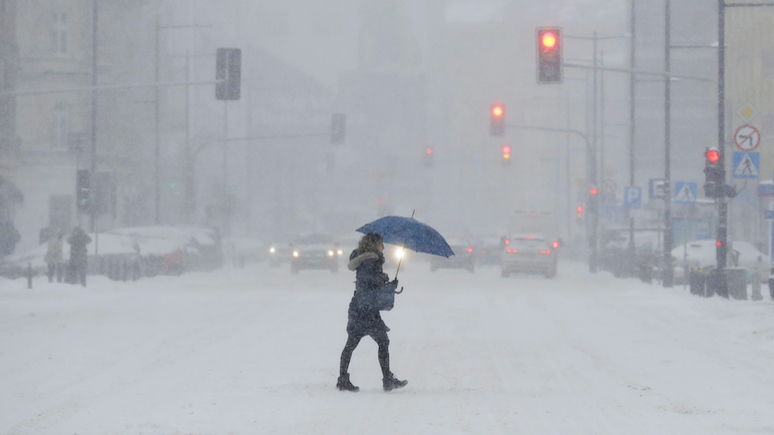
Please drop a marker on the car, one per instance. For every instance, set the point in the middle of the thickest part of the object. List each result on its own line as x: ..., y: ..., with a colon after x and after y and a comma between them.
x: 701, y: 254
x: 315, y: 251
x: 528, y: 253
x: 464, y: 257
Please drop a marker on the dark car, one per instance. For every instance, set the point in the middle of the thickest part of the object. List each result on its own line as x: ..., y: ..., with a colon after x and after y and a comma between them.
x: 464, y: 257
x: 315, y: 251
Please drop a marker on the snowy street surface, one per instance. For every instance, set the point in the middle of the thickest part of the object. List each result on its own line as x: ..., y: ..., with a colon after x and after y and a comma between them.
x: 256, y: 351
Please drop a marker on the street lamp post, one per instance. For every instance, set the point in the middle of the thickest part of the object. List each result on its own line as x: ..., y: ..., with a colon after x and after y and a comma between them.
x: 593, y: 169
x: 157, y: 114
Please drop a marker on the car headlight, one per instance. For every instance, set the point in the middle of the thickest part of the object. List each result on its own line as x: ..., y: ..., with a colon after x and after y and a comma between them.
x: 295, y: 253
x: 272, y: 250
x: 330, y: 253
x: 339, y: 252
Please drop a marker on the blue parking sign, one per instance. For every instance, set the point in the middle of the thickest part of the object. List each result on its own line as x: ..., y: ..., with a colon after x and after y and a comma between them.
x: 632, y: 197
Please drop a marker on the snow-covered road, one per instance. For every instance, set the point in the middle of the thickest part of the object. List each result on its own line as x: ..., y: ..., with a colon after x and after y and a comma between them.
x: 255, y: 351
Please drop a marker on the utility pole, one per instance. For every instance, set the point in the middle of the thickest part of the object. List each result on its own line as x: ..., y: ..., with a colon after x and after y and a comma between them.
x: 93, y: 169
x: 632, y: 107
x: 226, y: 197
x: 190, y: 196
x: 157, y: 129
x: 594, y: 257
x: 722, y: 233
x: 668, y: 272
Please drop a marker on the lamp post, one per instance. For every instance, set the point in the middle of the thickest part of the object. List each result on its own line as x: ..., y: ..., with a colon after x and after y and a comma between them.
x: 593, y: 169
x: 157, y: 114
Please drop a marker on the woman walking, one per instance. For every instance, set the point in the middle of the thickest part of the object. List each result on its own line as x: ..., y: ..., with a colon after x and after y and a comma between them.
x: 364, y: 318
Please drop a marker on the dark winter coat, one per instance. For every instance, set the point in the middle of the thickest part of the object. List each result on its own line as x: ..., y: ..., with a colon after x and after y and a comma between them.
x: 78, y: 242
x: 363, y: 318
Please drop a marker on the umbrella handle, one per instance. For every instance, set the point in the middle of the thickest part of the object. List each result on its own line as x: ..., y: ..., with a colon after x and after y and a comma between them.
x: 401, y: 257
x: 401, y: 291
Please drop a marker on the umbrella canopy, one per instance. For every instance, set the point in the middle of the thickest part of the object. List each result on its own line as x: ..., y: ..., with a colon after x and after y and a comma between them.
x: 409, y: 232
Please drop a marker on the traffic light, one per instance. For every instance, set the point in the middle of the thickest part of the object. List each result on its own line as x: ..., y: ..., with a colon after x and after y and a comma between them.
x: 497, y: 113
x: 714, y: 175
x: 228, y: 72
x: 592, y: 205
x: 428, y: 157
x: 579, y: 211
x: 506, y: 155
x: 338, y: 128
x: 549, y: 55
x: 82, y: 189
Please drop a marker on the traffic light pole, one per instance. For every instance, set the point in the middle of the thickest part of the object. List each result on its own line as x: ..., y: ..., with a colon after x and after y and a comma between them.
x: 632, y: 119
x: 668, y: 271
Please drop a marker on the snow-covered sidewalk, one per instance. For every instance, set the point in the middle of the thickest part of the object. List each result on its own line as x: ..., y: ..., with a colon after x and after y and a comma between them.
x: 255, y: 351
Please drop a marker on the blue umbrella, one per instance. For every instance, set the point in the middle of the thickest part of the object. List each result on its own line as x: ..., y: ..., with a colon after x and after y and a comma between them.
x: 410, y: 233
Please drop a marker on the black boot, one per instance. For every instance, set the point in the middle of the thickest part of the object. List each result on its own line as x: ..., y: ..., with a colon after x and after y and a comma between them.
x: 345, y: 385
x: 391, y: 383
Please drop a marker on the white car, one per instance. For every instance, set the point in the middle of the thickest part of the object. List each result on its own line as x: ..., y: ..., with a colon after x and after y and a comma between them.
x: 702, y: 254
x: 528, y: 253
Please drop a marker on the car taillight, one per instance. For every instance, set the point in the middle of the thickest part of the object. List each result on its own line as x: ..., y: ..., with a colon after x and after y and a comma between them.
x: 511, y: 251
x: 555, y: 245
x: 470, y: 249
x: 546, y: 252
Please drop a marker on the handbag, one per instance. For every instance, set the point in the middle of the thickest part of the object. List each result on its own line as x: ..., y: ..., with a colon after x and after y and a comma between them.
x: 382, y: 298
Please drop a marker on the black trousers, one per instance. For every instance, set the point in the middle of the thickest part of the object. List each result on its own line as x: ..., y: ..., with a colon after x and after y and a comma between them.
x: 380, y: 338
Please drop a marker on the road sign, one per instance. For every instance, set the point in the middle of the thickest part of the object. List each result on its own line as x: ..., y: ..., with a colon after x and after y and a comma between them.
x: 685, y: 192
x: 747, y: 111
x: 608, y: 187
x: 747, y: 137
x: 632, y: 197
x: 656, y: 188
x: 747, y: 165
x: 766, y: 188
x: 608, y: 199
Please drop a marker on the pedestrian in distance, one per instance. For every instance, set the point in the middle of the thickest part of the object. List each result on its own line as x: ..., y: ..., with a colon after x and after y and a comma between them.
x: 363, y: 318
x: 78, y: 254
x: 54, y: 258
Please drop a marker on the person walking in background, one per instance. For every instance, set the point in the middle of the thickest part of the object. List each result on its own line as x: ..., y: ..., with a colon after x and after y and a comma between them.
x: 363, y: 318
x: 78, y: 254
x: 54, y: 258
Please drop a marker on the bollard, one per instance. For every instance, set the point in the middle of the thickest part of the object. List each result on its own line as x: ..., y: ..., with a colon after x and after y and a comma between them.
x: 29, y: 275
x: 756, y: 286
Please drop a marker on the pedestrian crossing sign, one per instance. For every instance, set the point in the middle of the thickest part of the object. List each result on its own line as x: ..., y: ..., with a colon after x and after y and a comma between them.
x: 747, y: 165
x: 685, y: 192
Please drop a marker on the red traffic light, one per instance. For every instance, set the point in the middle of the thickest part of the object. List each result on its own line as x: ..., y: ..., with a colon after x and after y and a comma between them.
x: 580, y: 209
x: 548, y: 40
x: 506, y: 150
x: 498, y: 111
x: 593, y: 191
x: 429, y: 151
x: 712, y: 155
x: 719, y: 243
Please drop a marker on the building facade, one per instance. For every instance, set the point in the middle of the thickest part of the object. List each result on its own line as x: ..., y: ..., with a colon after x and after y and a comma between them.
x: 46, y: 120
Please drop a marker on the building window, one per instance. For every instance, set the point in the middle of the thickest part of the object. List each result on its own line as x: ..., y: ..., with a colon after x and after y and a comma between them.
x: 61, y: 126
x: 59, y: 34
